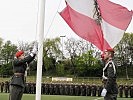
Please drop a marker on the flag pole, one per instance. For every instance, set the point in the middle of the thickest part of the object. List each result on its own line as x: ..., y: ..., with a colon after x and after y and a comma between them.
x: 40, y: 32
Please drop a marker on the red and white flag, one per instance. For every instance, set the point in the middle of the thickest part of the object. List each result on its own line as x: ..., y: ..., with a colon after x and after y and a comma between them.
x: 81, y: 16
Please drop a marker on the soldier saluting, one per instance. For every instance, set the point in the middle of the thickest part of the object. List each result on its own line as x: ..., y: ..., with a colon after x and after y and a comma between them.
x: 110, y: 89
x: 17, y: 82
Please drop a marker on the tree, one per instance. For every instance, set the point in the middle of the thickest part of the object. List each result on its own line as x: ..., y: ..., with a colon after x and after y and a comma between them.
x: 7, y: 55
x: 72, y: 51
x: 51, y: 53
x: 6, y: 69
x: 25, y: 46
x: 87, y: 64
x: 7, y: 52
x: 1, y: 41
x: 81, y: 54
x: 124, y: 53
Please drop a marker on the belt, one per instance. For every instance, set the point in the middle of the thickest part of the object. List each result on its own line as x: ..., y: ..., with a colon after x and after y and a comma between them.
x: 19, y: 74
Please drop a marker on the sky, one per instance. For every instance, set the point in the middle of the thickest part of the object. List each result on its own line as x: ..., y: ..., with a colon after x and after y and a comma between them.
x: 18, y: 20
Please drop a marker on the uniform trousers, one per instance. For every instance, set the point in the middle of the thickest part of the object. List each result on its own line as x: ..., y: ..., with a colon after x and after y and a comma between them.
x: 16, y: 92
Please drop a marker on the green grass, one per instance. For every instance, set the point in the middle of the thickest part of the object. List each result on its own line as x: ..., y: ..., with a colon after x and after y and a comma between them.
x: 4, y: 96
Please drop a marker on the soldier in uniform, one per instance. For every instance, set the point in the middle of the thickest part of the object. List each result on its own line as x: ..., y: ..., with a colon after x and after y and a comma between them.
x: 66, y: 89
x: 126, y: 90
x: 99, y: 90
x: 110, y: 89
x: 43, y: 88
x: 88, y: 90
x: 6, y: 86
x: 77, y: 89
x: 2, y: 86
x: 17, y: 83
x: 71, y: 89
x: 121, y: 90
x: 131, y: 91
x: 51, y: 88
x: 46, y: 88
x: 61, y: 89
x: 83, y: 90
x: 32, y: 87
x: 94, y: 89
x: 26, y: 88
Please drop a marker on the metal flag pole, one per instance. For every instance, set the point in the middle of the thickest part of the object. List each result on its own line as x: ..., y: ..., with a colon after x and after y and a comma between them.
x: 40, y: 33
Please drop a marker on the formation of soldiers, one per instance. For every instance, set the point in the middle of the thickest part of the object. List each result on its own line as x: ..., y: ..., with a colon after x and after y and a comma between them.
x: 73, y: 89
x: 126, y: 90
x: 4, y: 87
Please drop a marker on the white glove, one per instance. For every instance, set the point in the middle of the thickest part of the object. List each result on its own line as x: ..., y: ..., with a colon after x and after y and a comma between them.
x: 104, y: 77
x: 35, y: 48
x: 103, y: 93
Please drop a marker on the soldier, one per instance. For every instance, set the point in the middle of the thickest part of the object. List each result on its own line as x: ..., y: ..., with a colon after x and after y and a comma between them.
x: 6, y: 86
x: 20, y: 63
x: 99, y: 90
x: 67, y: 89
x: 88, y: 90
x: 32, y: 88
x: 83, y: 89
x: 30, y: 84
x: 71, y: 89
x: 43, y: 88
x: 51, y: 88
x: 2, y: 86
x: 26, y: 88
x: 110, y: 90
x: 46, y: 88
x: 126, y: 90
x: 121, y: 90
x: 54, y: 88
x: 61, y: 89
x: 94, y: 89
x: 77, y: 89
x: 131, y: 91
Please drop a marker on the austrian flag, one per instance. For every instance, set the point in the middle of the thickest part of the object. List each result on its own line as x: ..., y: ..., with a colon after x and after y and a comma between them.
x: 100, y: 22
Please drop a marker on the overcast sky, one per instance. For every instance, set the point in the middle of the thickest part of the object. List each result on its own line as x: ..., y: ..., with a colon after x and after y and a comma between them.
x: 18, y: 19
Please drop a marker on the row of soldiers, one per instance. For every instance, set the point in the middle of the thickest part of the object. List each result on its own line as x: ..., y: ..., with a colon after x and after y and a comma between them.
x: 73, y: 89
x: 4, y: 87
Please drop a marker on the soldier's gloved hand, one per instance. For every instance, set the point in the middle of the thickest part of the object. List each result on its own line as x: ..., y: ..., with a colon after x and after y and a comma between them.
x: 104, y: 77
x: 35, y: 49
x: 103, y: 93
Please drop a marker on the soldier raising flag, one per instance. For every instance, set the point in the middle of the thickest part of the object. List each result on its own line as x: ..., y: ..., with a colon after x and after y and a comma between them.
x: 20, y: 63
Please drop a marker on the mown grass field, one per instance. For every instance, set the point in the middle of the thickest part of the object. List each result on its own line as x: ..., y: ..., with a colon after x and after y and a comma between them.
x: 4, y: 96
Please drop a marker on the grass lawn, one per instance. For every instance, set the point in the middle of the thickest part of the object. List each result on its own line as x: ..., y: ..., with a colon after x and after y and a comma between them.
x: 4, y: 96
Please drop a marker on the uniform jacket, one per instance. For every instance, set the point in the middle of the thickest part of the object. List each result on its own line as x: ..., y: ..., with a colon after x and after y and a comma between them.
x: 111, y: 85
x: 19, y: 66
